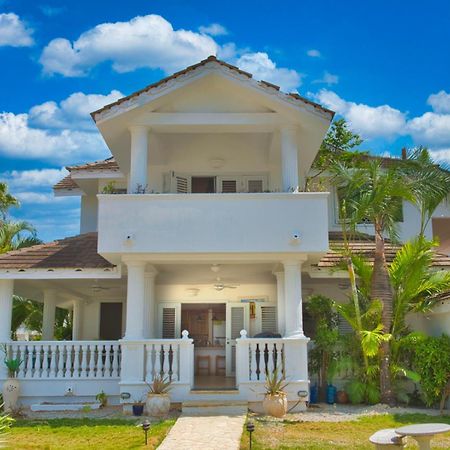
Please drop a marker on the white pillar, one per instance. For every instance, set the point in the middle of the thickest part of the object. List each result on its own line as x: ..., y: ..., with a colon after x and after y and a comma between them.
x: 280, y: 303
x: 6, y: 305
x: 149, y: 304
x: 77, y: 320
x: 293, y: 298
x: 138, y: 158
x: 289, y: 158
x: 134, y: 329
x: 48, y: 321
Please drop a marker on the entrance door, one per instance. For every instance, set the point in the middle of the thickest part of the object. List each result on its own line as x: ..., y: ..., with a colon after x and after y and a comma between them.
x: 237, y: 319
x: 203, y: 185
x: 110, y: 321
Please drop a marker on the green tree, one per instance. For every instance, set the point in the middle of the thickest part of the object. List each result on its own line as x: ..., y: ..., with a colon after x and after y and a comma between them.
x: 7, y: 200
x: 16, y: 235
x: 373, y: 193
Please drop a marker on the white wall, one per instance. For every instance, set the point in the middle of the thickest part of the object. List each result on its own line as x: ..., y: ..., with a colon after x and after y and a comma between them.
x: 89, y: 212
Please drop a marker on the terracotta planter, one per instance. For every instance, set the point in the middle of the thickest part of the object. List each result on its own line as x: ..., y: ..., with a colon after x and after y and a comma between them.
x: 11, y: 391
x: 275, y: 405
x: 157, y: 405
x: 342, y: 397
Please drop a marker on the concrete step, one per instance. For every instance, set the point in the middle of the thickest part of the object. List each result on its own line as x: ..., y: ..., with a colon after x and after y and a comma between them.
x: 214, y: 408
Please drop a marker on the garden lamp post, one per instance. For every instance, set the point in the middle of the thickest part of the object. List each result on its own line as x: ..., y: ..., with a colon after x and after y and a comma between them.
x: 250, y: 429
x: 146, y: 426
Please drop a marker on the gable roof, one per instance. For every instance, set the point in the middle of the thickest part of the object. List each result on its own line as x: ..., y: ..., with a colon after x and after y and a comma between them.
x: 77, y: 252
x: 212, y: 59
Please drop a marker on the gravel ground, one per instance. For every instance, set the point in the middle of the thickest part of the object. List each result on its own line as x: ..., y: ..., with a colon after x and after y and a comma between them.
x: 342, y: 413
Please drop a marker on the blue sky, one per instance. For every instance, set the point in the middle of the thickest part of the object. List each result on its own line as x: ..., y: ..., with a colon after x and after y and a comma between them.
x: 383, y: 65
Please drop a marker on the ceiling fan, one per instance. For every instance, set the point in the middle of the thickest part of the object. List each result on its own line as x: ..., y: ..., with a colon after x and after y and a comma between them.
x: 219, y: 286
x: 96, y: 287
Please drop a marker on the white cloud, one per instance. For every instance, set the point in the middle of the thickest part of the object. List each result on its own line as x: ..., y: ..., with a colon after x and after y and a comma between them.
x: 314, y: 53
x: 144, y: 41
x: 440, y: 102
x: 431, y: 129
x: 38, y: 198
x: 214, y: 29
x: 327, y: 78
x: 441, y: 155
x: 72, y: 112
x: 25, y: 179
x: 14, y: 32
x: 263, y: 68
x: 18, y: 139
x: 369, y: 121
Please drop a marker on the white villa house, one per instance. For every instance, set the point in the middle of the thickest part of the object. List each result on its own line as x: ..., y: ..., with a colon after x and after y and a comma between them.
x: 195, y: 250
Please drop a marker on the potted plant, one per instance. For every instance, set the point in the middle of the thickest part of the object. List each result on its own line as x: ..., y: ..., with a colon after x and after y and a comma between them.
x: 138, y: 407
x: 275, y: 399
x: 158, y: 399
x: 102, y: 399
x: 11, y: 387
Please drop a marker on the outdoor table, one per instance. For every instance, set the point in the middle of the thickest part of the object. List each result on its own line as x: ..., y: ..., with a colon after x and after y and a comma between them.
x: 423, y: 432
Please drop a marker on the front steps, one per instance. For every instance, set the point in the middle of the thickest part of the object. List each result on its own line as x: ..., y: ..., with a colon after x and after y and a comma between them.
x: 218, y: 402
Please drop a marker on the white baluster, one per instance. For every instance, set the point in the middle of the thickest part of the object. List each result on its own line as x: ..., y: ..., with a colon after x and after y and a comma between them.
x: 92, y: 360
x: 83, y: 368
x: 29, y: 361
x: 37, y: 361
x: 175, y: 349
x: 45, y: 373
x: 76, y: 360
x: 21, y: 373
x: 271, y: 355
x: 69, y: 361
x: 61, y: 357
x: 149, y: 362
x: 53, y: 369
x: 253, y: 362
x: 158, y: 348
x: 115, y: 361
x: 107, y: 373
x: 101, y: 361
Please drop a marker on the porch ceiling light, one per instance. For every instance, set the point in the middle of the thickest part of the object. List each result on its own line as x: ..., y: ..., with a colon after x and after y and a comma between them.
x: 192, y: 292
x: 216, y: 163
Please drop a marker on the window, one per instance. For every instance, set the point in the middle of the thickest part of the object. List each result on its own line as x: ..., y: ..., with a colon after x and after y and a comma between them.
x: 228, y: 186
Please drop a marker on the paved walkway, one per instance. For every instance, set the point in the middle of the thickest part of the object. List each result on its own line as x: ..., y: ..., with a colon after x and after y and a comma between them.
x: 207, y: 429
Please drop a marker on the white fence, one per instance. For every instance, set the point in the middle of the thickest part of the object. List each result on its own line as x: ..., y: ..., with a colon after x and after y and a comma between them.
x: 67, y: 359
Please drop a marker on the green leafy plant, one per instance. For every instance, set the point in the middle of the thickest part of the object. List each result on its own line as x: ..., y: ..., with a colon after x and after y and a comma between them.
x: 109, y: 188
x: 432, y: 363
x: 159, y: 385
x: 5, y: 424
x: 275, y: 383
x: 102, y: 399
x: 12, y: 364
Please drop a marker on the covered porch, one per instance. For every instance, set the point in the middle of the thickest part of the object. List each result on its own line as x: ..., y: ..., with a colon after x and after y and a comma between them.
x: 153, y: 316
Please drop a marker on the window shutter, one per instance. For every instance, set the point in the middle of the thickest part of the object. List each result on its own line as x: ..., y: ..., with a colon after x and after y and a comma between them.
x: 229, y: 186
x: 168, y: 323
x: 269, y: 321
x: 237, y: 321
x: 343, y: 326
x: 255, y: 185
x: 181, y: 184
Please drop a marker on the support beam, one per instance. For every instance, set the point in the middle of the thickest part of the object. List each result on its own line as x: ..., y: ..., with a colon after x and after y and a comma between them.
x: 149, y: 303
x: 293, y: 298
x: 134, y: 329
x: 48, y: 320
x: 77, y: 320
x: 6, y: 305
x: 280, y: 303
x: 289, y: 158
x: 139, y: 158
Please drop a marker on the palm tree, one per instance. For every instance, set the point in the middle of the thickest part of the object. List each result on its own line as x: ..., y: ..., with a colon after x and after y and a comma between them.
x: 16, y: 235
x: 6, y: 200
x: 375, y: 194
x: 430, y: 181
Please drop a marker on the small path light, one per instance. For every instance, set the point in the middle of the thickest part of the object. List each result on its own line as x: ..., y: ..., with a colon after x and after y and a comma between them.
x: 145, y: 426
x: 250, y: 429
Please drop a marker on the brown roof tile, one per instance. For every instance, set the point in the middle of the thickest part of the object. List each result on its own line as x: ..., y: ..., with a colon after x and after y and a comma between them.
x: 211, y: 58
x: 69, y: 253
x: 67, y: 183
x: 105, y: 164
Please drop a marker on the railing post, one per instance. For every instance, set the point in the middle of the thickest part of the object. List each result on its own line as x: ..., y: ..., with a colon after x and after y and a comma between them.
x: 186, y: 367
x: 242, y: 358
x: 132, y: 366
x: 296, y: 359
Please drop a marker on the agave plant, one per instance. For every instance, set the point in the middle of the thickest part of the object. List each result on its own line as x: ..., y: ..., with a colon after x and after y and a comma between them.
x: 275, y: 384
x: 12, y: 364
x: 159, y: 385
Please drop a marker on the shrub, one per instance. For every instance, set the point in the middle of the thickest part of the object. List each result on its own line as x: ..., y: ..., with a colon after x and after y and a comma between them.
x: 432, y: 363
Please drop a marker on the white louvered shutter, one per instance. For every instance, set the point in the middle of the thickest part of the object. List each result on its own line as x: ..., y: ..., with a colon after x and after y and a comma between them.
x: 169, y: 321
x: 269, y: 321
x: 181, y: 184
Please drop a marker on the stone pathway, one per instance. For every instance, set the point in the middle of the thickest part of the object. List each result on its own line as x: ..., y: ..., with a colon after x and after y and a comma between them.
x: 207, y: 428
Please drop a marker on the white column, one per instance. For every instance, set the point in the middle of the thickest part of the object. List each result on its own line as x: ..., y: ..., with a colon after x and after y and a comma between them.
x: 149, y: 303
x: 289, y: 158
x: 48, y: 321
x: 138, y: 158
x: 134, y: 329
x: 293, y: 298
x: 280, y: 303
x: 6, y: 304
x: 77, y: 320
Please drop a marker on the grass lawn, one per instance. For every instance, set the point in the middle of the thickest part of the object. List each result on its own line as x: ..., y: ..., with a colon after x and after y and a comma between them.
x: 76, y: 434
x: 352, y: 435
